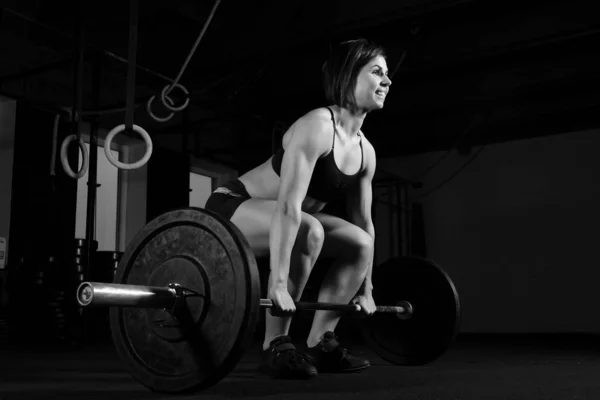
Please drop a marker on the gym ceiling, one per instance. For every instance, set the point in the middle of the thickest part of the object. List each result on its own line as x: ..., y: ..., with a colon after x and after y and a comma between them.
x: 465, y: 72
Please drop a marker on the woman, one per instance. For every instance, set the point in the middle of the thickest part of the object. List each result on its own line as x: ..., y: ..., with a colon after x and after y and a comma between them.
x: 277, y: 206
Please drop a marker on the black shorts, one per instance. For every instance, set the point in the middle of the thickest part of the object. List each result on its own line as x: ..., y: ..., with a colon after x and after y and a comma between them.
x: 227, y: 198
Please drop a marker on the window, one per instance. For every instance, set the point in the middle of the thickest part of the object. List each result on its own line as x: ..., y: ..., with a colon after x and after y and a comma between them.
x: 200, y: 189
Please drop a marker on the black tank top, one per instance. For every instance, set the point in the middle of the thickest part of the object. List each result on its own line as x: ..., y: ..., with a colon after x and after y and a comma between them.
x: 327, y: 183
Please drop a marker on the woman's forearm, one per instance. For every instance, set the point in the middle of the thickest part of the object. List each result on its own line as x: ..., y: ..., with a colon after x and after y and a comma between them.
x: 284, y: 229
x: 368, y: 283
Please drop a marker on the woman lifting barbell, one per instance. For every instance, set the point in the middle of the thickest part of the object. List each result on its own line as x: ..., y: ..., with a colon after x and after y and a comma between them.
x: 277, y: 206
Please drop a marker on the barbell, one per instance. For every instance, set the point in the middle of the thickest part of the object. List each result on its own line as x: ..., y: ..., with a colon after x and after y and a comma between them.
x: 171, y: 296
x: 185, y: 303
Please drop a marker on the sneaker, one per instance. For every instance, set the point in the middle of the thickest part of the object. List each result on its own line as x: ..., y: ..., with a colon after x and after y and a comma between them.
x: 330, y: 356
x: 282, y: 360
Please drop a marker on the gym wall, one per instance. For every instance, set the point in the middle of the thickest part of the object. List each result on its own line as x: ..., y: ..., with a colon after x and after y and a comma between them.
x: 516, y: 231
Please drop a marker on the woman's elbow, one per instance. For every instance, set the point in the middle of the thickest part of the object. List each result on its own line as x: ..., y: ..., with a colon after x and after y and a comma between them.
x: 290, y: 208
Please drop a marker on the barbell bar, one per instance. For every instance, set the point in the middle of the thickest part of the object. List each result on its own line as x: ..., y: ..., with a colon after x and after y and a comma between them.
x: 90, y: 294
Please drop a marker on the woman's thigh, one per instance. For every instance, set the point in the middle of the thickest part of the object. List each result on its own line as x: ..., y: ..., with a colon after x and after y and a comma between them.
x: 253, y: 218
x: 344, y: 239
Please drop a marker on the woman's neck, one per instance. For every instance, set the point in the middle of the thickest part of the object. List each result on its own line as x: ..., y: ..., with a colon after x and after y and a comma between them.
x: 350, y: 121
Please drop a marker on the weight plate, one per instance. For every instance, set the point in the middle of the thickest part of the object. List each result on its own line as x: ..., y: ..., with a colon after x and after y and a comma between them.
x: 205, y: 253
x: 436, y: 311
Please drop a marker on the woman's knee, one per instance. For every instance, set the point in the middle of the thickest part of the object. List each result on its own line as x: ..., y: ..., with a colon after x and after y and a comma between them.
x: 362, y: 247
x: 311, y: 237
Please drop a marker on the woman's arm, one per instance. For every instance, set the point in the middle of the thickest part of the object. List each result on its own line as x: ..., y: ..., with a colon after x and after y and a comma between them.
x: 307, y: 143
x: 360, y: 201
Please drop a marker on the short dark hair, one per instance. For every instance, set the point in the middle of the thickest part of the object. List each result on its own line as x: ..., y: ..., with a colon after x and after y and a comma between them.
x: 342, y: 67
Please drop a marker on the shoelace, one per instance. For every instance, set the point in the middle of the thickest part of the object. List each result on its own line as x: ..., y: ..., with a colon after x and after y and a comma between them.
x: 341, y: 351
x: 292, y: 354
x: 293, y: 357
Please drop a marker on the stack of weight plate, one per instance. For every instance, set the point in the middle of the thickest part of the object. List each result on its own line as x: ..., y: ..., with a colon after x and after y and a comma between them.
x: 80, y: 259
x: 58, y: 316
x: 78, y: 272
x: 49, y: 312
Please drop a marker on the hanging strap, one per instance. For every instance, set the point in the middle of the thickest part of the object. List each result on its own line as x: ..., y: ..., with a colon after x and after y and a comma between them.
x: 131, y: 70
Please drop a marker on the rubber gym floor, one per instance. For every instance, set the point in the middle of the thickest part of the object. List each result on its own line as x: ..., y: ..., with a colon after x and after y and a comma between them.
x: 475, y: 367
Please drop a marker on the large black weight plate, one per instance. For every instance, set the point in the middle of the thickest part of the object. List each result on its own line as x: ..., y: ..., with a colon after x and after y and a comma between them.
x: 205, y: 253
x: 436, y: 311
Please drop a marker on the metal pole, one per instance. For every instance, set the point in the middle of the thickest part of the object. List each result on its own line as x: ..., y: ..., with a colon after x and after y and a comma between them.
x: 77, y: 125
x: 90, y: 225
x: 78, y: 79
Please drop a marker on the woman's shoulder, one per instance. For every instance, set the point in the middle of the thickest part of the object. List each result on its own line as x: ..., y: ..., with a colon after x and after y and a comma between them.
x: 315, y: 122
x: 317, y: 116
x: 313, y: 128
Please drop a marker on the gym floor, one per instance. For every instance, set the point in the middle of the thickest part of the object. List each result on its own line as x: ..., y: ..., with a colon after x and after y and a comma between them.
x: 475, y: 367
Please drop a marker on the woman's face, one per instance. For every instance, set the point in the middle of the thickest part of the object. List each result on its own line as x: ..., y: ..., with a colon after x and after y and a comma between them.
x: 372, y: 85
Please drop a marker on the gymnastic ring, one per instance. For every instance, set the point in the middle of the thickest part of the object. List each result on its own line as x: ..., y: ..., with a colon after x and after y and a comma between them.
x: 65, y: 161
x: 108, y: 141
x: 163, y: 96
x: 155, y: 117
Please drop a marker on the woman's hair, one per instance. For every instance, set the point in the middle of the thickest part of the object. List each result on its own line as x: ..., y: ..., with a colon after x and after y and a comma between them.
x: 342, y: 67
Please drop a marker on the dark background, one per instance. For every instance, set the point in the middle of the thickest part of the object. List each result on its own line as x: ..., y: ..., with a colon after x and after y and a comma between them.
x: 521, y: 69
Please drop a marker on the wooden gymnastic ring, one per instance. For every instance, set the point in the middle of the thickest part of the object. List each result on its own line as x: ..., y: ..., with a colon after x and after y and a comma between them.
x: 64, y: 159
x: 138, y: 164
